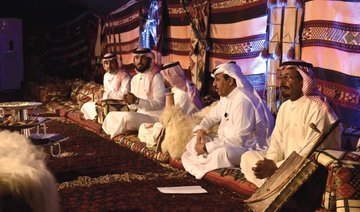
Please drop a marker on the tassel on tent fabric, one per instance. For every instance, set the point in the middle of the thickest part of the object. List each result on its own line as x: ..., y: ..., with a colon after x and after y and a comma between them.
x: 277, y: 51
x: 264, y: 53
x: 283, y: 3
x: 271, y: 4
x: 291, y: 53
x: 298, y: 3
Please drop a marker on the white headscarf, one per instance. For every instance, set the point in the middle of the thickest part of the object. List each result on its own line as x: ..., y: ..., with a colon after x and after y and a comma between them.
x: 262, y: 111
x: 175, y: 75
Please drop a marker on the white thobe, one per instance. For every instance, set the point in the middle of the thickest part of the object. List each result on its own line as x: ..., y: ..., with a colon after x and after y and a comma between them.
x: 238, y: 132
x: 184, y: 101
x: 148, y: 132
x: 292, y: 132
x: 148, y: 108
x: 110, y: 92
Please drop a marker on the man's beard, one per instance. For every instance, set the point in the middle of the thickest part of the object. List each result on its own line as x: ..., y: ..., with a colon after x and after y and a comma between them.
x: 142, y: 69
x: 112, y: 71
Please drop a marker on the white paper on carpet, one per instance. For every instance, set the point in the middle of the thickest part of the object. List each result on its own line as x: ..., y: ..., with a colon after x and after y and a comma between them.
x: 182, y: 190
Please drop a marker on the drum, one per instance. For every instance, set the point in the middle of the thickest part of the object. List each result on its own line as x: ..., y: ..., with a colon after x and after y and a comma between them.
x: 294, y: 171
x: 278, y: 188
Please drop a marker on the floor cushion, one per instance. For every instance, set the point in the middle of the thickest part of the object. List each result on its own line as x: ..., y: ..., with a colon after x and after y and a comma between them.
x: 342, y: 192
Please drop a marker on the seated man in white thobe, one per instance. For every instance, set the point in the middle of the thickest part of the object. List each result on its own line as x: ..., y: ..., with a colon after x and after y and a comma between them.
x: 147, y: 95
x: 116, y: 84
x: 186, y: 96
x: 245, y: 124
x: 293, y: 131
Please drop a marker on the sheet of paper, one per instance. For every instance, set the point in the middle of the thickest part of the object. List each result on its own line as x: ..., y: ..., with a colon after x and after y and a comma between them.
x: 182, y: 190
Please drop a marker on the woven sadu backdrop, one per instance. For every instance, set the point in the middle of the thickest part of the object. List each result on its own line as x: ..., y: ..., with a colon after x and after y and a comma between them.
x: 330, y: 40
x: 198, y: 14
x: 121, y: 31
x: 236, y: 31
x: 71, y: 47
x: 284, y: 30
x: 176, y: 34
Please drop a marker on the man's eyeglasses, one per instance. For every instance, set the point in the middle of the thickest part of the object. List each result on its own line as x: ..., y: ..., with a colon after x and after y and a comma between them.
x: 287, y: 78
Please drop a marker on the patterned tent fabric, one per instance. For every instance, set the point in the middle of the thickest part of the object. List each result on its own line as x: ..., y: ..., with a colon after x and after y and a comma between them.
x: 121, y: 31
x: 176, y: 45
x: 331, y: 41
x: 71, y: 46
x: 283, y: 43
x: 342, y: 192
x: 199, y: 46
x: 237, y: 31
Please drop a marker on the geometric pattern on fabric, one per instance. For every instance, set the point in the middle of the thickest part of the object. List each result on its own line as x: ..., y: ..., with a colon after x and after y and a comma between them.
x: 76, y: 116
x: 341, y: 94
x: 87, y: 92
x: 75, y: 89
x: 198, y: 41
x: 121, y: 31
x: 282, y: 43
x: 237, y: 48
x: 346, y: 182
x: 215, y: 5
x: 233, y: 179
x: 133, y: 143
x: 226, y: 17
x: 343, y: 90
x: 179, y: 46
x: 342, y: 191
x: 331, y: 42
x: 342, y: 36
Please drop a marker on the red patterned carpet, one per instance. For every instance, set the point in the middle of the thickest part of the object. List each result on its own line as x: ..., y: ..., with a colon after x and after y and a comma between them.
x: 95, y: 174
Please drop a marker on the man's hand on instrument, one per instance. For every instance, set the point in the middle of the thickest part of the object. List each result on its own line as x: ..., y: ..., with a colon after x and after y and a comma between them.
x: 130, y: 98
x: 264, y: 168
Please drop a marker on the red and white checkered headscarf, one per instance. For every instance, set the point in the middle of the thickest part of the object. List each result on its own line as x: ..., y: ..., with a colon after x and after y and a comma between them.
x: 175, y: 75
x: 309, y: 87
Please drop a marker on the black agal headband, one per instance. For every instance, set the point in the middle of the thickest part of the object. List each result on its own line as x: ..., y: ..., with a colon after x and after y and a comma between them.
x: 297, y: 63
x: 141, y: 51
x: 169, y: 65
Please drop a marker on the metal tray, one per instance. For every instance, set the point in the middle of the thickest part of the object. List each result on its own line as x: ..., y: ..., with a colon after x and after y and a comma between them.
x: 39, y: 120
x: 19, y: 105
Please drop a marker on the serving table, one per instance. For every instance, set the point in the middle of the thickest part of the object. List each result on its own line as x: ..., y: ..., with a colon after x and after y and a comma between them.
x: 20, y: 120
